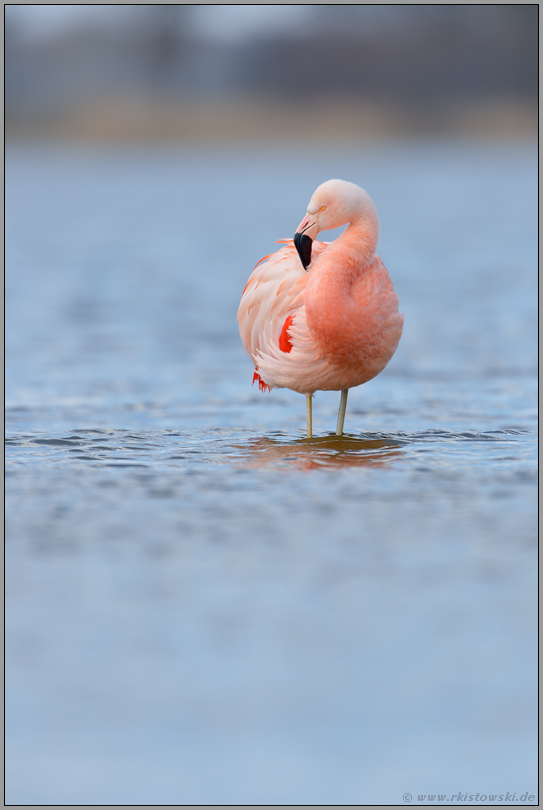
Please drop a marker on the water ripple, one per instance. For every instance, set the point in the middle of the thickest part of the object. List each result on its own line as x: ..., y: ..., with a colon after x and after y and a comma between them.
x: 121, y: 448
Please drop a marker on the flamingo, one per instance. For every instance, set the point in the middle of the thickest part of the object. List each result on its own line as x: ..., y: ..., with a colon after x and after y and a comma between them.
x: 322, y: 316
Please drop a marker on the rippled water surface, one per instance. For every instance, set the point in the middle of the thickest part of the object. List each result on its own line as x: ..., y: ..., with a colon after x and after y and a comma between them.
x: 203, y: 606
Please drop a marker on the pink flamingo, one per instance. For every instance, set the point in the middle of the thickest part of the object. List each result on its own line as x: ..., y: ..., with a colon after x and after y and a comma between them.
x: 322, y: 316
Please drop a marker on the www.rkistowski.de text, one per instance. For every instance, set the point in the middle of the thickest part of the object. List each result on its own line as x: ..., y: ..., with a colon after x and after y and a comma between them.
x: 469, y: 797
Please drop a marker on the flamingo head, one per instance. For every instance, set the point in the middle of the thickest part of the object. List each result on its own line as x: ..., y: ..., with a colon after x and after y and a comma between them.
x: 333, y: 204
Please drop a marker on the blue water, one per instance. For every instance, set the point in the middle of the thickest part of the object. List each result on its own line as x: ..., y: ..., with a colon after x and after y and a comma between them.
x: 202, y: 606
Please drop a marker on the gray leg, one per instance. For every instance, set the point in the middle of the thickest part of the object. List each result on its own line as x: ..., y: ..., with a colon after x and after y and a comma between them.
x: 308, y: 399
x: 341, y: 414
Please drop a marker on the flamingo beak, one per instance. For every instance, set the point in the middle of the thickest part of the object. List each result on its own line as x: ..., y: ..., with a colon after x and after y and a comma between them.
x: 303, y: 241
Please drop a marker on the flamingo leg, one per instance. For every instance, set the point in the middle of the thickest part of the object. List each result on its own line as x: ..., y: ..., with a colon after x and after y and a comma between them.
x: 309, y: 403
x: 341, y: 413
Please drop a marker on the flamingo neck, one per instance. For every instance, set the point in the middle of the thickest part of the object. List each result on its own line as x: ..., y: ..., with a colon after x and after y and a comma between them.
x: 331, y: 313
x: 357, y: 244
x: 351, y: 254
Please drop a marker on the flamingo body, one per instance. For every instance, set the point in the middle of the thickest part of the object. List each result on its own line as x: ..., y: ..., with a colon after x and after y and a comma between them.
x: 333, y: 324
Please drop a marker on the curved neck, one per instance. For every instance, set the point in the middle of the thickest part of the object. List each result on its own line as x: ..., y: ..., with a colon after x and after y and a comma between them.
x: 363, y: 235
x: 330, y: 310
x: 357, y: 244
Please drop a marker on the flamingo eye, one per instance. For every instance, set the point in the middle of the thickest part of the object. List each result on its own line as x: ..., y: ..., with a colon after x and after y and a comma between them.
x: 323, y: 208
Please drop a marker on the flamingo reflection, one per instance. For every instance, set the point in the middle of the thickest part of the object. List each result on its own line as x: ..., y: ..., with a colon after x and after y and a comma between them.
x: 322, y: 452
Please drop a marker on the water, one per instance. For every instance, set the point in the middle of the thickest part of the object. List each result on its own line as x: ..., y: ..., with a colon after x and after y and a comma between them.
x: 202, y: 606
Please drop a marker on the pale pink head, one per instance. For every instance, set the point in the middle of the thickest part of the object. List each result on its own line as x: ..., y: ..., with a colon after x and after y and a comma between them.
x: 334, y: 203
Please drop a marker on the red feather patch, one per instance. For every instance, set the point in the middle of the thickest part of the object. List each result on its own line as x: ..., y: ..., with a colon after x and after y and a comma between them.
x: 261, y: 384
x: 285, y: 341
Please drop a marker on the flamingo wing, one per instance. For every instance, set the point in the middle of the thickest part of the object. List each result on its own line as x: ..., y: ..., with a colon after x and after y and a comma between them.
x: 271, y: 298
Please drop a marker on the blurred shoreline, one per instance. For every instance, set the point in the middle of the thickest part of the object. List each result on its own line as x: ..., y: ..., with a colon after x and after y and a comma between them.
x: 144, y: 120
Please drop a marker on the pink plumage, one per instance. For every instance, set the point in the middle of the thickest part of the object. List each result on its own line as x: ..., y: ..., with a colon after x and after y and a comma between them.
x: 318, y: 315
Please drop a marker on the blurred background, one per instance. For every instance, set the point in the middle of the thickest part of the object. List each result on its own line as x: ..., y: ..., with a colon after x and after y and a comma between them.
x: 201, y: 606
x: 270, y: 71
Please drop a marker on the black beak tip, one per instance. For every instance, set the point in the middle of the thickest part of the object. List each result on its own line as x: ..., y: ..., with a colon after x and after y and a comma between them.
x: 303, y: 245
